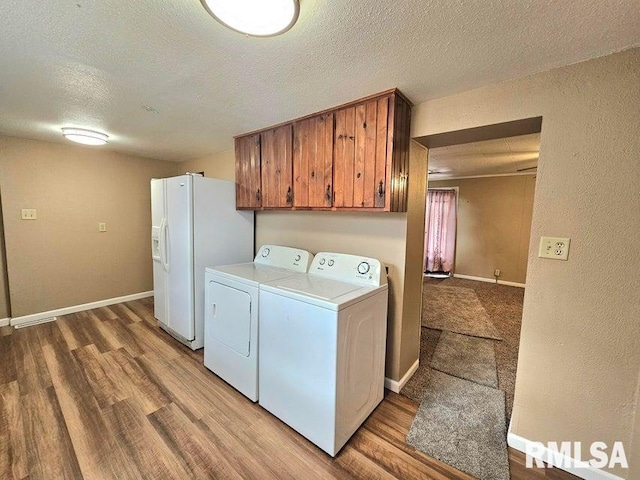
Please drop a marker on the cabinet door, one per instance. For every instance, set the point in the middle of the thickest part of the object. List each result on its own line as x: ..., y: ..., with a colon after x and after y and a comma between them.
x: 277, y: 173
x: 313, y: 161
x: 360, y: 155
x: 248, y: 188
x: 344, y: 157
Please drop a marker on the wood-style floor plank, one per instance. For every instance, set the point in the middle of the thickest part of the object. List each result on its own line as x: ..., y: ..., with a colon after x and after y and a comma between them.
x: 8, y: 371
x: 12, y: 446
x: 99, y: 454
x: 31, y: 370
x: 106, y: 394
x: 194, y: 447
x: 144, y: 447
x: 50, y: 452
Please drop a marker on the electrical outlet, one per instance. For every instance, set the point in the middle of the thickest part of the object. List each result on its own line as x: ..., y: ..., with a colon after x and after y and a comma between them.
x: 102, y: 227
x: 554, y: 247
x: 29, y: 214
x: 496, y: 273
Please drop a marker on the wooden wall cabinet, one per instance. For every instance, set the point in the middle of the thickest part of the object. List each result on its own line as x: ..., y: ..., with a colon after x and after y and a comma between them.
x: 277, y: 174
x: 248, y: 170
x: 313, y: 162
x: 354, y: 157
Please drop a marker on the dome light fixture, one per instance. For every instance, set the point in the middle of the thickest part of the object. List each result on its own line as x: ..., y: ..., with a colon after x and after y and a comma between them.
x: 84, y: 136
x: 258, y: 18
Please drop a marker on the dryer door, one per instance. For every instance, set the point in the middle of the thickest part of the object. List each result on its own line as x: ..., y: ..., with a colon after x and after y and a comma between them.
x: 231, y: 317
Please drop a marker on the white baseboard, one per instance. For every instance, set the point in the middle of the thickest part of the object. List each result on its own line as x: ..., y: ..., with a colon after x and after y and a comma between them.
x: 558, y: 460
x: 4, y: 322
x: 396, y: 386
x: 488, y: 280
x: 36, y: 318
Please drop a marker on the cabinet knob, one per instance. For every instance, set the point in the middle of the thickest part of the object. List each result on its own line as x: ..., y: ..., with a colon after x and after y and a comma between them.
x: 313, y: 174
x: 289, y: 195
x: 328, y: 194
x: 380, y: 189
x: 258, y: 195
x: 358, y: 175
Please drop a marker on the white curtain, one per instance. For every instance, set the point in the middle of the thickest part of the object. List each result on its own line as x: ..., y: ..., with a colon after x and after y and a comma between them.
x: 440, y: 231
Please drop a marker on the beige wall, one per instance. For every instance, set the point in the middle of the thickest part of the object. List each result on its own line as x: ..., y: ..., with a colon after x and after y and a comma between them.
x: 5, y: 311
x: 635, y: 450
x: 409, y: 348
x: 61, y: 259
x: 579, y: 353
x: 220, y: 165
x: 494, y: 225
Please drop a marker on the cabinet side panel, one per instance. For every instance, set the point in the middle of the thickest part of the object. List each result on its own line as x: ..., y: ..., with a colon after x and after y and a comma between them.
x: 401, y: 155
x: 389, y: 155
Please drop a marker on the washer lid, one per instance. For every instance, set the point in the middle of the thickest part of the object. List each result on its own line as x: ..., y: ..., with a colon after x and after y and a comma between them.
x: 323, y: 292
x: 250, y: 273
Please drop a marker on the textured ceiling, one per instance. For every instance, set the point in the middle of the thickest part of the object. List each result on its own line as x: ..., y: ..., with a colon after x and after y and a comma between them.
x: 490, y: 157
x: 98, y: 64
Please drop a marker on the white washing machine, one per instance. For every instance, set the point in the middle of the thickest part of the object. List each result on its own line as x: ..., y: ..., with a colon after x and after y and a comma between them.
x: 231, y: 312
x: 322, y: 347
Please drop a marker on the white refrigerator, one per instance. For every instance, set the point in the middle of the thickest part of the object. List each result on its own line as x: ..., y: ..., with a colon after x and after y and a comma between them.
x: 194, y: 225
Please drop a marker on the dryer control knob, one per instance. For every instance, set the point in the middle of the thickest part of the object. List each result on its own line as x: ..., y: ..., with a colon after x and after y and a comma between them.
x: 265, y: 252
x: 321, y: 262
x: 331, y: 262
x: 298, y: 257
x: 363, y: 268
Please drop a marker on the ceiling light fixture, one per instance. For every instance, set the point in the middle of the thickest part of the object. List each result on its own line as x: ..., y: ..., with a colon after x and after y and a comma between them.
x: 258, y: 18
x: 86, y: 137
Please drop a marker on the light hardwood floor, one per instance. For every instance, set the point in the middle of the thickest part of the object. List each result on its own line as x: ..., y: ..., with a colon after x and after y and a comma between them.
x: 106, y: 394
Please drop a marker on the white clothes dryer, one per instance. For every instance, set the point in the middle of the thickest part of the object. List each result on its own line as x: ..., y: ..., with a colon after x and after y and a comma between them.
x: 322, y: 347
x: 232, y: 312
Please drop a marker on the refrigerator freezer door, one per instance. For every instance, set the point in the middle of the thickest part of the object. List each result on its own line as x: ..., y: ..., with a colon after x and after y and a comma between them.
x: 158, y: 212
x: 179, y: 256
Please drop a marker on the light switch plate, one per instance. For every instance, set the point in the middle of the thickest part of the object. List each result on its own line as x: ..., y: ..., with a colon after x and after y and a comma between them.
x: 554, y: 247
x: 29, y: 214
x: 102, y: 227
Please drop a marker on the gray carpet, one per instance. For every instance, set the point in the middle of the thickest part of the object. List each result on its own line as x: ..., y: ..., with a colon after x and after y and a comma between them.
x: 462, y: 423
x: 456, y: 309
x: 466, y: 357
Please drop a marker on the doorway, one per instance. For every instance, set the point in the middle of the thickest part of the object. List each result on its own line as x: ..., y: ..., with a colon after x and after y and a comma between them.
x: 471, y: 316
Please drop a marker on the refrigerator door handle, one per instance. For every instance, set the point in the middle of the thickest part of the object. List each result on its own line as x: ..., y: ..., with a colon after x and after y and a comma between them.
x: 163, y: 244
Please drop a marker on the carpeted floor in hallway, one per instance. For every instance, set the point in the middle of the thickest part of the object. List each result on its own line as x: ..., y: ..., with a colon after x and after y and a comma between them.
x: 503, y: 304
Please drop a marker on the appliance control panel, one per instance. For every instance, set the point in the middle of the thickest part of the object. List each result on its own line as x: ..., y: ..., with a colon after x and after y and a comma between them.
x: 349, y: 268
x: 290, y: 258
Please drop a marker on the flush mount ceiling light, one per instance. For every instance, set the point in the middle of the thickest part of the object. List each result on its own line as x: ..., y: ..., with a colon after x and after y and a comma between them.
x: 86, y: 137
x: 259, y: 18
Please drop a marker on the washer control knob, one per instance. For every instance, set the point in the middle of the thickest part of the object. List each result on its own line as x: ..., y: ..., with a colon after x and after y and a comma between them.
x: 331, y: 262
x: 322, y: 261
x: 266, y: 252
x: 298, y: 257
x: 363, y: 268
